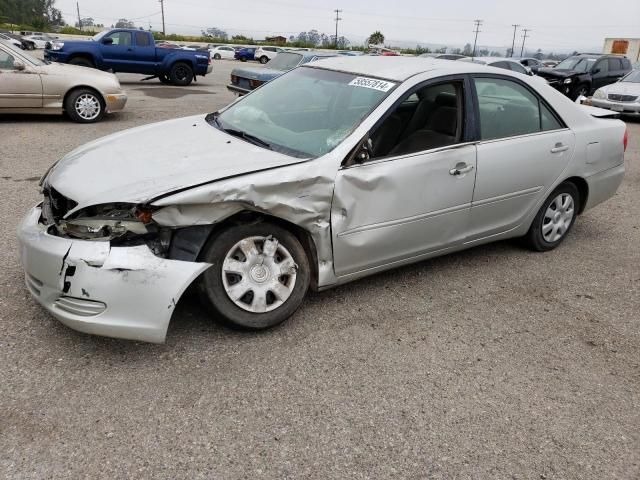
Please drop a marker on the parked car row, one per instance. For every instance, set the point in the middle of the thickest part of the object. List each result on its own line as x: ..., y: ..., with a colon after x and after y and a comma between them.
x: 25, y: 42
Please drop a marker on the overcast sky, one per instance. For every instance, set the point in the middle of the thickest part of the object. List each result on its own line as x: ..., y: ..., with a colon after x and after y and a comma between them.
x: 555, y: 24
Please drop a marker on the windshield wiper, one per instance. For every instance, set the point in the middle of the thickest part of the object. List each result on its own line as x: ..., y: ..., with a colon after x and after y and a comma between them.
x: 213, y: 118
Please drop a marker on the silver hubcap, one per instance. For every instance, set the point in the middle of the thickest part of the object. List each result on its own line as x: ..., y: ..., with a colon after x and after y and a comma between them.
x: 558, y: 217
x: 88, y: 106
x: 259, y: 274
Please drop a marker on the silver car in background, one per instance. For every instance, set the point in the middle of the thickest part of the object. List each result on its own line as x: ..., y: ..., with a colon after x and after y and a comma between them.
x: 30, y: 85
x: 622, y: 96
x: 334, y: 171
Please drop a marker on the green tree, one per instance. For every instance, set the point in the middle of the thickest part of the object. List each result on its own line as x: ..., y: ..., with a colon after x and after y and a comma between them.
x: 376, y: 38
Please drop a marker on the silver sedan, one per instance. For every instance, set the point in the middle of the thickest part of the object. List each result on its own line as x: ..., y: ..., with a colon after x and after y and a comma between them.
x: 622, y: 96
x: 334, y: 171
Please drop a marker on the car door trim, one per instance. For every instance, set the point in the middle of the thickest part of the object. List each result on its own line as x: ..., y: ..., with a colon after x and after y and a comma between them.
x: 403, y: 221
x: 507, y: 196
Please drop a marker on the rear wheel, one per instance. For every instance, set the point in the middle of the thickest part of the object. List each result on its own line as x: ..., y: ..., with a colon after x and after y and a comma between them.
x: 217, y: 56
x: 82, y: 62
x: 554, y: 219
x: 84, y: 106
x: 259, y: 275
x: 264, y: 59
x: 181, y: 74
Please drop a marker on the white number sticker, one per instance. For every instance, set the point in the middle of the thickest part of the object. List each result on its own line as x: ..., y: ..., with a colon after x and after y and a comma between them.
x: 373, y: 83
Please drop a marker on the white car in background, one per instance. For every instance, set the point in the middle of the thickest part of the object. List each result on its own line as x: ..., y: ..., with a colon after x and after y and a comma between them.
x: 499, y: 62
x: 11, y: 40
x: 38, y: 40
x: 222, y: 51
x: 622, y: 96
x: 336, y: 170
x: 264, y: 54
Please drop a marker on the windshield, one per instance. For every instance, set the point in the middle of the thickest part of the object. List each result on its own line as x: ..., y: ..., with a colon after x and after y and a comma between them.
x: 579, y: 64
x: 31, y: 59
x: 633, y: 77
x: 304, y: 113
x: 285, y: 61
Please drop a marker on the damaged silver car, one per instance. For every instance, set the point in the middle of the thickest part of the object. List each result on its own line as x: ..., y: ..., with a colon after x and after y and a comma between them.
x: 334, y: 171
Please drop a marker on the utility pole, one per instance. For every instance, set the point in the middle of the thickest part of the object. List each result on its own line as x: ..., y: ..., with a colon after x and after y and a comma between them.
x: 524, y: 39
x: 477, y: 30
x: 513, y: 44
x: 338, y: 12
x: 164, y: 32
x: 79, y: 20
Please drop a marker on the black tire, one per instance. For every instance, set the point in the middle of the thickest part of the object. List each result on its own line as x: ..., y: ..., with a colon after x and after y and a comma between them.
x: 181, y: 74
x: 164, y: 79
x: 243, y: 59
x: 31, y: 46
x: 75, y: 113
x: 82, y: 62
x: 212, y: 285
x: 264, y: 59
x: 581, y: 89
x: 535, y: 238
x: 217, y: 56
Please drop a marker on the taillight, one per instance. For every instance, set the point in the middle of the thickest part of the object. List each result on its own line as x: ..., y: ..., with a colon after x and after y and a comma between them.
x: 625, y: 139
x: 234, y: 79
x: 255, y: 83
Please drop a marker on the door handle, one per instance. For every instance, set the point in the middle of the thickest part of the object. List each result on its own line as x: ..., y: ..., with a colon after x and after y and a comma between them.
x: 460, y: 169
x: 559, y: 148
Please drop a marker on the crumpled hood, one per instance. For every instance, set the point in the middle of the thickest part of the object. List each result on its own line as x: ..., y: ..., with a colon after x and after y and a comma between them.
x: 555, y: 73
x: 139, y: 164
x: 253, y: 73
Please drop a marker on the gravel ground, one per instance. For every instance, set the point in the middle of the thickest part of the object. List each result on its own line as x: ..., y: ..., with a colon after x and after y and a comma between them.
x: 491, y: 363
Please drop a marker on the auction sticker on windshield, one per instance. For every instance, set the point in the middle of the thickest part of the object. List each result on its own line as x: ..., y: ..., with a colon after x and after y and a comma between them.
x: 373, y: 83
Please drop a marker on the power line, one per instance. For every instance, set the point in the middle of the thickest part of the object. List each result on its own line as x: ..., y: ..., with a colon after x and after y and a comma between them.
x: 475, y: 42
x: 79, y: 20
x: 524, y: 39
x: 338, y: 12
x: 513, y: 44
x: 164, y: 32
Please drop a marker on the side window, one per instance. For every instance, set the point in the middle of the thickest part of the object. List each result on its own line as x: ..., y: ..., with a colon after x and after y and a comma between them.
x: 6, y: 61
x: 548, y: 119
x: 626, y: 64
x: 504, y: 65
x: 142, y: 39
x: 614, y: 64
x: 430, y: 118
x: 516, y: 67
x: 603, y: 65
x: 506, y: 109
x: 121, y: 38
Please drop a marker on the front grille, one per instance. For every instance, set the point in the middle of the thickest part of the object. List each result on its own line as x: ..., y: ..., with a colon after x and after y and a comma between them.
x: 55, y: 205
x: 80, y: 306
x: 616, y: 97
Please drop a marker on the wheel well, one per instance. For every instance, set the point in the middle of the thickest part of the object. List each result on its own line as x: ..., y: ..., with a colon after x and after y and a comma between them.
x: 83, y: 87
x: 583, y: 190
x: 82, y: 55
x: 303, y: 236
x: 182, y: 62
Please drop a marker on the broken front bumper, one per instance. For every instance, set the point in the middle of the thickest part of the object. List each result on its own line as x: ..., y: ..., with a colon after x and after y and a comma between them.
x: 123, y: 292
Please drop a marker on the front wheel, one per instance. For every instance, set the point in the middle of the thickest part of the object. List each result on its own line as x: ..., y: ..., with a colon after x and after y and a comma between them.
x: 84, y: 106
x: 217, y: 56
x: 264, y: 59
x: 555, y: 218
x: 181, y: 74
x: 258, y: 277
x: 581, y: 90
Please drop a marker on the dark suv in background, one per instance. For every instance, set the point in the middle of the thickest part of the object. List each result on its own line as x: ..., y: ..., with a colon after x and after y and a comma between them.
x: 585, y: 73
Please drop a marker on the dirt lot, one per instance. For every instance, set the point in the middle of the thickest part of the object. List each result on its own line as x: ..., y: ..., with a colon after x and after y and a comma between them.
x: 492, y: 363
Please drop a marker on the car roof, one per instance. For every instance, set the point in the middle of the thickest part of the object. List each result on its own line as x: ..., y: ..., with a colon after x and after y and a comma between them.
x: 489, y: 59
x: 398, y: 68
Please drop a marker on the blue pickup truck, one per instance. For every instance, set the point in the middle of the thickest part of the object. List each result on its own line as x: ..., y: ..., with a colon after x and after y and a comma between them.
x: 132, y: 51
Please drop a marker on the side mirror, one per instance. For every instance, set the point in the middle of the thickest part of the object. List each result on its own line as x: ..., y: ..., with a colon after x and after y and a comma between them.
x: 18, y: 65
x: 107, y: 41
